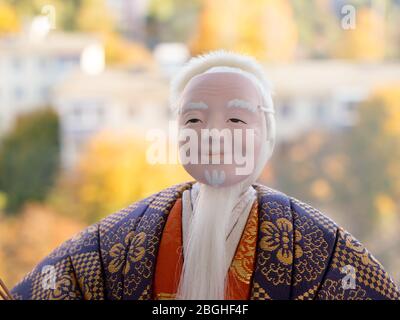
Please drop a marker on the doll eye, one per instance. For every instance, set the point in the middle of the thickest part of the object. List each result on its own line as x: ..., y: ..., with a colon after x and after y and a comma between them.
x: 194, y: 120
x: 235, y: 120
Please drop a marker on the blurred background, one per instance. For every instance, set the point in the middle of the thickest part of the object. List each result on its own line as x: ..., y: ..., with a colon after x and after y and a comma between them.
x: 81, y: 81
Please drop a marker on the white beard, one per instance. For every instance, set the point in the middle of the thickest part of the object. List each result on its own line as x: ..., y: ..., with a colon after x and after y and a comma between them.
x: 204, y: 268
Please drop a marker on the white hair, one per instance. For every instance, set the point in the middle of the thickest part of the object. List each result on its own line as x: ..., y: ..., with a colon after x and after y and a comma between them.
x: 222, y: 61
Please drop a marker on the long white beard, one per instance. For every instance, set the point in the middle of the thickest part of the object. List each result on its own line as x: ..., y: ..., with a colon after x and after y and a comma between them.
x: 204, y: 268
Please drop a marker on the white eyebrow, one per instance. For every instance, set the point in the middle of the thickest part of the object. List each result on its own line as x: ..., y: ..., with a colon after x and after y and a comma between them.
x: 237, y: 103
x: 195, y: 105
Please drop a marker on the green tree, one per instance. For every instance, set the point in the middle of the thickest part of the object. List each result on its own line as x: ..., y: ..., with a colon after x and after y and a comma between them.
x: 29, y: 159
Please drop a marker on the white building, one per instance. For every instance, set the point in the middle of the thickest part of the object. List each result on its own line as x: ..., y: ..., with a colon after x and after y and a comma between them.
x: 323, y: 93
x: 117, y: 100
x: 29, y: 70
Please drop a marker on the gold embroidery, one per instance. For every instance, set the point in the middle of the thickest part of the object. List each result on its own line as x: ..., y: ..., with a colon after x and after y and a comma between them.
x: 87, y: 267
x: 65, y: 288
x: 278, y: 239
x: 118, y: 252
x: 138, y: 250
x: 243, y: 262
x: 258, y: 293
x: 66, y: 285
x: 309, y: 294
x: 299, y: 247
x: 151, y: 225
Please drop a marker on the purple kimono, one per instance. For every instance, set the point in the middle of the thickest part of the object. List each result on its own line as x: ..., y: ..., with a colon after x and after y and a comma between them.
x: 301, y: 254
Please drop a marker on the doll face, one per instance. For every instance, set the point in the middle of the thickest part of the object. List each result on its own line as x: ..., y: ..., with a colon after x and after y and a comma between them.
x: 220, y: 128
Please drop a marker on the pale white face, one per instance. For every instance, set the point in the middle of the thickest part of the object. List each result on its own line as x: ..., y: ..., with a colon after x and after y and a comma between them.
x: 221, y: 128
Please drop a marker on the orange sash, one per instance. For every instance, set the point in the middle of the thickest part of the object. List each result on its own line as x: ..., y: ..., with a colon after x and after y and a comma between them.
x: 170, y: 260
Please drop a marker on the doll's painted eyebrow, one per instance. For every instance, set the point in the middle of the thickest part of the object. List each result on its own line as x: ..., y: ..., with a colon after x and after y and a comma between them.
x: 238, y: 103
x: 194, y: 106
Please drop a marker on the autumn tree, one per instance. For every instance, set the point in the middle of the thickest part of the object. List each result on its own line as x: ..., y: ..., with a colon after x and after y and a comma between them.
x: 367, y: 41
x: 374, y: 147
x: 264, y: 28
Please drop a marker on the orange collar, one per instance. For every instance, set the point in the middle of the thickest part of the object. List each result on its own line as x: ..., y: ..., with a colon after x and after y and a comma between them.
x: 170, y: 260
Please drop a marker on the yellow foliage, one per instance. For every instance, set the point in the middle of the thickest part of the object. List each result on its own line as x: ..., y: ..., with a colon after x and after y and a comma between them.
x: 334, y: 166
x: 8, y: 19
x: 384, y: 107
x: 264, y: 29
x: 114, y: 172
x: 321, y: 190
x: 390, y: 97
x: 94, y: 16
x: 121, y: 51
x: 367, y: 41
x: 385, y: 205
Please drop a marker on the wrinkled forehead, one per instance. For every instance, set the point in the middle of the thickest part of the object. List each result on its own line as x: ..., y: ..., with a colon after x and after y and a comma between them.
x: 221, y: 86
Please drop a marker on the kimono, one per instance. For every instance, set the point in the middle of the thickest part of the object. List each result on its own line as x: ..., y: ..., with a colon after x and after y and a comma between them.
x: 288, y: 250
